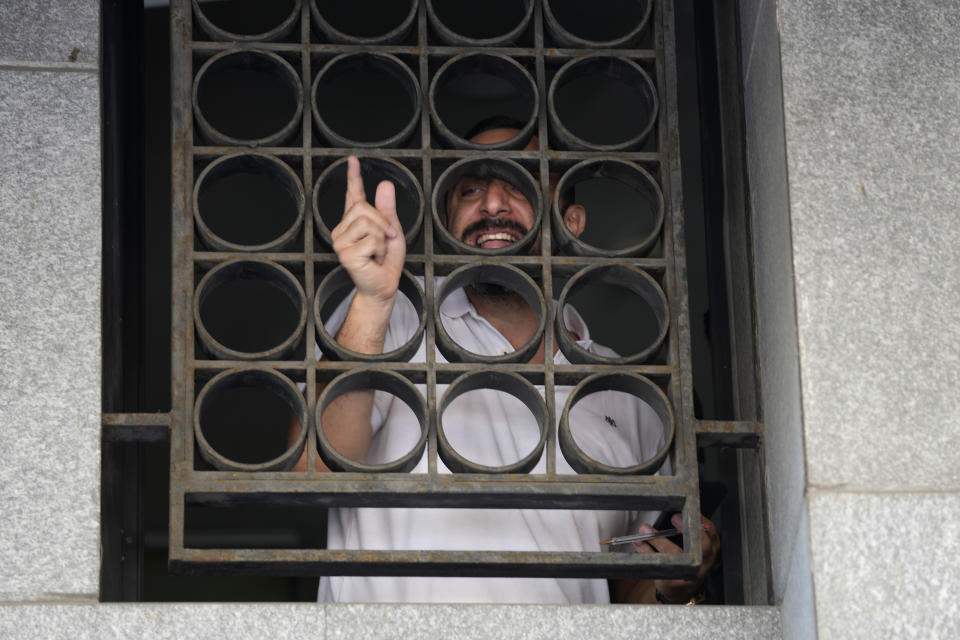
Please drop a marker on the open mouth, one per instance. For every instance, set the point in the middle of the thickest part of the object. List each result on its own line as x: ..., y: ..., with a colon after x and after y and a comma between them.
x: 493, y: 234
x: 494, y: 240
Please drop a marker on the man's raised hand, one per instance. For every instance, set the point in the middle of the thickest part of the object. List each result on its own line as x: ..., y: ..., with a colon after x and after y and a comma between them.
x: 369, y: 240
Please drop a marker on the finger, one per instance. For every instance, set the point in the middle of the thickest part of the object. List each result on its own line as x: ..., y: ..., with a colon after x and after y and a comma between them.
x: 710, y: 540
x: 710, y: 534
x: 385, y: 202
x: 708, y: 525
x: 375, y: 248
x: 369, y: 247
x: 360, y: 219
x: 664, y: 545
x: 643, y: 547
x: 358, y: 232
x: 709, y: 529
x: 355, y: 193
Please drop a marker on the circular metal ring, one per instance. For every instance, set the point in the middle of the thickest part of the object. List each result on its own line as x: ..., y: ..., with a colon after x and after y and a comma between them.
x: 368, y: 380
x: 339, y: 279
x: 506, y: 276
x: 450, y: 36
x: 249, y: 268
x: 500, y: 66
x: 635, y: 385
x: 507, y: 382
x: 258, y: 60
x: 250, y: 162
x: 565, y: 38
x: 391, y: 170
x: 253, y: 377
x: 621, y: 69
x: 501, y: 168
x: 390, y: 37
x: 628, y: 173
x: 215, y: 32
x: 360, y: 62
x: 637, y: 281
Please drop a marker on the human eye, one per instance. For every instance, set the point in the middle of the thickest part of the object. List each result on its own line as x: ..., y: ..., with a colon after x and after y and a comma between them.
x: 470, y: 187
x: 515, y: 192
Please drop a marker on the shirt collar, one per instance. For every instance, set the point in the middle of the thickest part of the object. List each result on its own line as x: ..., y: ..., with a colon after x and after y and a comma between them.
x: 456, y: 304
x: 575, y: 323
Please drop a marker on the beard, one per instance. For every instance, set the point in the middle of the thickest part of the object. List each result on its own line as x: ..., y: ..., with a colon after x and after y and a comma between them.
x: 498, y: 293
x: 492, y: 291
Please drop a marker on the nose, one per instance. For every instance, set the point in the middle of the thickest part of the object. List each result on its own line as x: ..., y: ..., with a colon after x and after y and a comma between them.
x: 496, y: 198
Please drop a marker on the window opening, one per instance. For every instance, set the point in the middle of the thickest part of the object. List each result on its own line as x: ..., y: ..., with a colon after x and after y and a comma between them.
x: 548, y: 63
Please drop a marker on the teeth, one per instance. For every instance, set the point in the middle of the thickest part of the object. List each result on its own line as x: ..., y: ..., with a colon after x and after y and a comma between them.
x: 494, y: 236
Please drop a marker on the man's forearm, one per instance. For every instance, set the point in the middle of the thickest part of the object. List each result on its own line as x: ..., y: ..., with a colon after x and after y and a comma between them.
x: 370, y: 245
x: 346, y: 420
x: 365, y: 328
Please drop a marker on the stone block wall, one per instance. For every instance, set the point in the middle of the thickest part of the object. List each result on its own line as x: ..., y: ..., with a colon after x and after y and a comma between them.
x: 864, y: 487
x: 852, y: 116
x: 50, y: 206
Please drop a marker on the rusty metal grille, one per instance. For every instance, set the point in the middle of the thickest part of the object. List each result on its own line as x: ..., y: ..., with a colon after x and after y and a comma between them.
x: 300, y: 53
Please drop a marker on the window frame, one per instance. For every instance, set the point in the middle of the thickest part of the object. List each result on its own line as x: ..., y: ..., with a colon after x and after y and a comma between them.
x: 743, y: 434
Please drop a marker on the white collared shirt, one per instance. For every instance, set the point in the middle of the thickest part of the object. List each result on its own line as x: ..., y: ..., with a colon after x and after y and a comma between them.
x: 492, y: 428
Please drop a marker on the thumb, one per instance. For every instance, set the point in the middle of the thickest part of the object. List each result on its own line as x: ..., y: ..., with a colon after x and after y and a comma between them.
x: 677, y: 521
x: 385, y: 202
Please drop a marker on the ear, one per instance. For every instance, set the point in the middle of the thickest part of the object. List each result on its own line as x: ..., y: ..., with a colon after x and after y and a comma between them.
x: 575, y: 218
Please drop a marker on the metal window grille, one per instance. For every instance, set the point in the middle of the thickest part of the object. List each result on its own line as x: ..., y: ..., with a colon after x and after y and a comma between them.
x: 303, y: 55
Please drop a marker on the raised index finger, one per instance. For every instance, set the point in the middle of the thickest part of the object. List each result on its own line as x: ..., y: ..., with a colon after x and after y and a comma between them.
x: 355, y: 192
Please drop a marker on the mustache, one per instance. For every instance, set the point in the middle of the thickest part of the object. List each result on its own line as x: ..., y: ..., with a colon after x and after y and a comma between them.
x: 493, y: 223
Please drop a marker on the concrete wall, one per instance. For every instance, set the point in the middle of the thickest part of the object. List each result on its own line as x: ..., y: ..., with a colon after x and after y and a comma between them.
x: 50, y: 206
x: 49, y: 300
x: 782, y: 412
x: 853, y: 113
x: 864, y: 500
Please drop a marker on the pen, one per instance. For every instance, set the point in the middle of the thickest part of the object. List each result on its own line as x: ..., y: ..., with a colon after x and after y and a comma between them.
x: 641, y: 536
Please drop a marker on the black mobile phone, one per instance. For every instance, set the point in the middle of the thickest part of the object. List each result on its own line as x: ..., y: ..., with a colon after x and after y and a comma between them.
x: 711, y: 495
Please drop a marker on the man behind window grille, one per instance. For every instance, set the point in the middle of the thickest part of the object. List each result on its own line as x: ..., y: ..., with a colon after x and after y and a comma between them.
x: 487, y: 213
